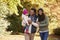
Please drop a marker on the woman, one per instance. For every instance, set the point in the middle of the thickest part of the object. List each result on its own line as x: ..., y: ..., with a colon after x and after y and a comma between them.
x: 43, y: 24
x: 32, y: 15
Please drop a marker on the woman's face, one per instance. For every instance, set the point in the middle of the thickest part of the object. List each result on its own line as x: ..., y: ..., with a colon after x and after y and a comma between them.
x: 31, y: 12
x: 40, y: 12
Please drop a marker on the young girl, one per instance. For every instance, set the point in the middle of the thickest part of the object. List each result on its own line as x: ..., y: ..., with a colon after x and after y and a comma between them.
x: 25, y: 20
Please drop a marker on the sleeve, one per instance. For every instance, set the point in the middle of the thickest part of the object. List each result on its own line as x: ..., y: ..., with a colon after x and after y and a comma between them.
x: 35, y: 24
x: 23, y: 23
x: 46, y: 22
x: 26, y: 20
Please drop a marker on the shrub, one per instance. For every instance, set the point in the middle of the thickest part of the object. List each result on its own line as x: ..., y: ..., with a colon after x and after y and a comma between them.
x: 57, y: 31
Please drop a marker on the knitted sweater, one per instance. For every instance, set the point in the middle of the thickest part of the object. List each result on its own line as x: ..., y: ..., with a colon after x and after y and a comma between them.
x: 44, y: 25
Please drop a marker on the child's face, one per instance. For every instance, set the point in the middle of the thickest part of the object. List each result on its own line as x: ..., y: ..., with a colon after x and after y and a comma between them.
x: 26, y: 14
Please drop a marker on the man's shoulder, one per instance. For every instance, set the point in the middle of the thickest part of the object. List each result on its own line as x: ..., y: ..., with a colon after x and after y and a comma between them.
x: 36, y: 16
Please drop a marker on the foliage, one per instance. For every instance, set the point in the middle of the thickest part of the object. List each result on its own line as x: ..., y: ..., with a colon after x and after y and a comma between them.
x: 26, y: 4
x: 57, y: 31
x: 12, y: 5
x: 3, y: 23
x: 12, y: 10
x: 15, y: 20
x: 8, y: 9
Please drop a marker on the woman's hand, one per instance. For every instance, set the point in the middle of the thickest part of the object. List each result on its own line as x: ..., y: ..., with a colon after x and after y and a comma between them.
x: 38, y: 23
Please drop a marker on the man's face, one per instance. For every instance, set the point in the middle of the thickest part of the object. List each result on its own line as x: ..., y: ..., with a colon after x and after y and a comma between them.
x: 31, y: 12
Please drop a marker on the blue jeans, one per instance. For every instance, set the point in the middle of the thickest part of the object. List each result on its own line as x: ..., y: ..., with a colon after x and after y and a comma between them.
x: 44, y: 35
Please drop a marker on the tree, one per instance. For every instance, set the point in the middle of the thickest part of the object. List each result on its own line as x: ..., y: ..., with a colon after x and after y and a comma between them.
x: 3, y: 23
x: 15, y: 20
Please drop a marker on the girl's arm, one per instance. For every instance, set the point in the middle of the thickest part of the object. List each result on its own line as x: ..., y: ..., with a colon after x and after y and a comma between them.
x: 23, y: 23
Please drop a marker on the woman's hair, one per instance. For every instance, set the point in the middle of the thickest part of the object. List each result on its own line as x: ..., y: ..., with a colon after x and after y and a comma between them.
x: 34, y: 10
x: 41, y: 17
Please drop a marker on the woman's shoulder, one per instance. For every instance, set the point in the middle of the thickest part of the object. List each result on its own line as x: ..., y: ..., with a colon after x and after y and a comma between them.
x: 46, y: 17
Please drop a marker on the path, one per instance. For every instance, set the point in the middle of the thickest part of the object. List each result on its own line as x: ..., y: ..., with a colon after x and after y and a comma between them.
x: 21, y: 37
x: 15, y: 37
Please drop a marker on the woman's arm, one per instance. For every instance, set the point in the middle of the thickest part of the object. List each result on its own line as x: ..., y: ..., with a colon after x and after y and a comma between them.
x: 36, y: 24
x: 46, y: 22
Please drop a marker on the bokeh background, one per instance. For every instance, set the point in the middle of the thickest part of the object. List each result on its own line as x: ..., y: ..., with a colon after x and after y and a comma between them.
x: 11, y: 11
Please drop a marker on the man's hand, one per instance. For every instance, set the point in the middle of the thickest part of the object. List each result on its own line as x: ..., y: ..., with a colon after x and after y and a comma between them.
x: 30, y: 21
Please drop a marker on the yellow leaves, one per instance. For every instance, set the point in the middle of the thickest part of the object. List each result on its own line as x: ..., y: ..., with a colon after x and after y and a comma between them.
x: 51, y: 1
x: 47, y: 9
x: 32, y: 1
x: 41, y: 2
x: 19, y: 2
x: 12, y: 5
x: 13, y: 9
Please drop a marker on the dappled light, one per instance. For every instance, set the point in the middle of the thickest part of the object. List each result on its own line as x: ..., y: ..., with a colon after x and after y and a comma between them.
x: 11, y: 11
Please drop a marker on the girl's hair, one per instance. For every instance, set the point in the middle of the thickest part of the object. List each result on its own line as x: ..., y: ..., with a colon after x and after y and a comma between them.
x: 25, y: 11
x: 41, y: 17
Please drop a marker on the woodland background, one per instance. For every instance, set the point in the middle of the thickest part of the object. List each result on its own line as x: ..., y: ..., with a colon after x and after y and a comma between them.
x: 11, y: 11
